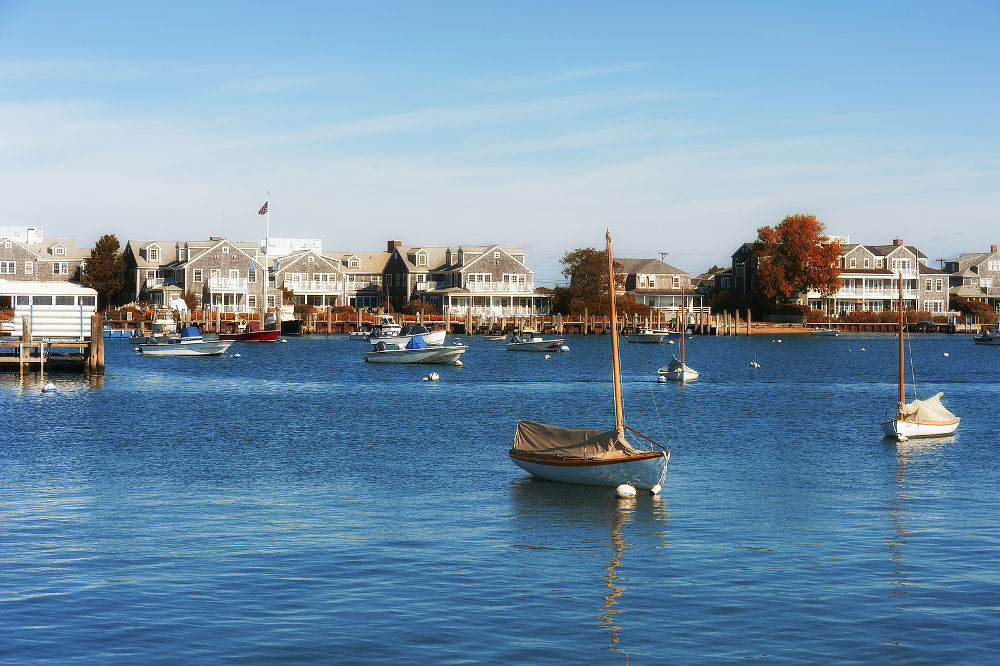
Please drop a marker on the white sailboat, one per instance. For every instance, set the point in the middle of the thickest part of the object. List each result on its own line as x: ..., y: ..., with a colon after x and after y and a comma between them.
x: 920, y: 418
x: 676, y: 369
x: 591, y: 457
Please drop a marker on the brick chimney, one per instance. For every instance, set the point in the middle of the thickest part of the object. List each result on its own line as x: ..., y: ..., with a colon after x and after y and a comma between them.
x: 215, y: 238
x: 897, y: 242
x: 392, y: 245
x: 993, y: 248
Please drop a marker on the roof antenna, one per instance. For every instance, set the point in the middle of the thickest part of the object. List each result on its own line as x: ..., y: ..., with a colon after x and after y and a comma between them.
x: 941, y: 261
x: 663, y: 256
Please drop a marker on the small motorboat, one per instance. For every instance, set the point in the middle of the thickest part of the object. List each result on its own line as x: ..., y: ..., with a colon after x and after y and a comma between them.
x: 534, y: 342
x: 432, y: 338
x: 648, y: 335
x: 190, y: 343
x: 824, y: 331
x: 416, y: 350
x: 987, y: 337
x: 291, y: 326
x: 253, y: 332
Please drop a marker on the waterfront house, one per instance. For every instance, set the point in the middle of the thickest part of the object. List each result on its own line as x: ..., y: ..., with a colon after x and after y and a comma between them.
x: 26, y: 255
x: 312, y: 278
x: 363, y: 277
x: 224, y: 275
x: 975, y: 276
x: 486, y: 280
x: 869, y: 277
x: 659, y: 285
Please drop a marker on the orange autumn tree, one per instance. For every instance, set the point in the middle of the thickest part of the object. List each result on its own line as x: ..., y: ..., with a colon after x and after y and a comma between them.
x: 796, y: 256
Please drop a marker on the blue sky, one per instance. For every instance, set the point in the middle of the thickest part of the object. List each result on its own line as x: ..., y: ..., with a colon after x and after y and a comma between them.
x: 682, y: 126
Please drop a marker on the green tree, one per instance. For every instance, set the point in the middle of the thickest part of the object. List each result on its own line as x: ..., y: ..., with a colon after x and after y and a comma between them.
x: 795, y: 256
x: 105, y: 269
x: 587, y: 270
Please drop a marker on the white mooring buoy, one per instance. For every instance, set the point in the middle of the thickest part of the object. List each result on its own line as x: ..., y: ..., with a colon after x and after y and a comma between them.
x: 458, y: 363
x: 49, y: 388
x: 434, y: 376
x: 946, y: 353
x: 625, y: 490
x: 655, y: 490
x: 547, y: 356
x: 564, y: 348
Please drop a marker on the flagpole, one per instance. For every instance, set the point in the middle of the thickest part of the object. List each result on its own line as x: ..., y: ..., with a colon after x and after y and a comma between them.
x: 267, y: 246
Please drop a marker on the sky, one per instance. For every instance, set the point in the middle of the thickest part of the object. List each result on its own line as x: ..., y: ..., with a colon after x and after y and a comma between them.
x: 682, y: 127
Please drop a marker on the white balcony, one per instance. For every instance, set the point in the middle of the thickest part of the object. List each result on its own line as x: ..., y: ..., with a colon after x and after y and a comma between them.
x: 153, y: 283
x: 501, y: 287
x: 316, y: 287
x: 228, y: 284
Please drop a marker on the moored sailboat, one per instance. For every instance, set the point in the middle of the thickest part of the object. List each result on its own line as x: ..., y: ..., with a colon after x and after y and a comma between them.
x: 920, y: 418
x: 591, y: 457
x: 676, y: 369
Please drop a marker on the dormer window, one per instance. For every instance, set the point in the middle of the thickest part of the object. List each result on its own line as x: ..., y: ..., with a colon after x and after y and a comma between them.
x: 59, y: 250
x: 421, y: 258
x: 354, y: 263
x: 6, y: 245
x: 153, y: 254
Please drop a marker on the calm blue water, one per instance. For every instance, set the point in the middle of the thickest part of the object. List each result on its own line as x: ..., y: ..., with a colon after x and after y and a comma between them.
x: 299, y: 505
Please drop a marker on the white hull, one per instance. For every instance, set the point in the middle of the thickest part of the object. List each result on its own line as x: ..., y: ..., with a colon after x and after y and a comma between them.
x: 825, y: 331
x: 649, y: 337
x: 642, y: 474
x: 187, y: 348
x: 433, y: 339
x: 537, y: 345
x: 680, y: 375
x: 359, y: 335
x: 428, y: 355
x: 896, y: 427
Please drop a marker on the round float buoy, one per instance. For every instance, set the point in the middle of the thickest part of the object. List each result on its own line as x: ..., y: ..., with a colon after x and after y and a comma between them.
x: 547, y: 356
x: 434, y: 376
x: 458, y: 363
x: 862, y: 349
x: 625, y: 490
x: 236, y: 355
x: 661, y: 379
x: 655, y: 490
x: 946, y: 353
x: 564, y: 348
x: 48, y: 388
x: 282, y: 340
x: 425, y: 379
x: 137, y: 349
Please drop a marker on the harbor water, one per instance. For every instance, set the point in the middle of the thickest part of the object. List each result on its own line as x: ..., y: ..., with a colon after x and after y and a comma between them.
x: 295, y: 504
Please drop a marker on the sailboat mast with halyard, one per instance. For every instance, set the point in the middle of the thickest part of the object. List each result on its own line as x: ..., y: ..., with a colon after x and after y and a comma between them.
x: 592, y: 457
x: 920, y: 418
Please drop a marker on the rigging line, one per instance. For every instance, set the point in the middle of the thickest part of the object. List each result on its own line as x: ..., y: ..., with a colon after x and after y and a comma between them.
x: 652, y: 398
x: 909, y: 349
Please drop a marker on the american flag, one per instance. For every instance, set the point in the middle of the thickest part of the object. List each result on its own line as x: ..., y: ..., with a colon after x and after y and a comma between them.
x: 263, y: 209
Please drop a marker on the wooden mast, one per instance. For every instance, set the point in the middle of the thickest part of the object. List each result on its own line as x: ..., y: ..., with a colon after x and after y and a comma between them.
x: 902, y: 392
x: 619, y: 420
x: 683, y: 325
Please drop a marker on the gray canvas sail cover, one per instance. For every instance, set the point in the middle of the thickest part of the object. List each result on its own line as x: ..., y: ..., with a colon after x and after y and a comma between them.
x: 925, y: 411
x: 534, y: 437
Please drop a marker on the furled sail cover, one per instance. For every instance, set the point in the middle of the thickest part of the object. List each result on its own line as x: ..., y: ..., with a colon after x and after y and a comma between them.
x: 675, y: 366
x: 571, y: 443
x: 926, y: 411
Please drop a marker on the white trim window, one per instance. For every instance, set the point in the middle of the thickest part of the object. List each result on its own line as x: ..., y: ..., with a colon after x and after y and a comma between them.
x: 234, y: 274
x: 29, y: 268
x: 216, y: 273
x: 993, y: 265
x: 225, y: 249
x: 8, y: 267
x: 354, y: 263
x: 59, y: 250
x: 60, y: 268
x: 152, y: 254
x: 421, y: 258
x: 854, y: 262
x: 252, y: 302
x: 196, y: 275
x: 651, y: 281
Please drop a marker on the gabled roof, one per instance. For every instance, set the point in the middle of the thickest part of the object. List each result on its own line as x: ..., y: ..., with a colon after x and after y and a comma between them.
x: 484, y: 254
x: 648, y: 267
x: 371, y: 262
x: 300, y: 259
x: 886, y: 250
x: 73, y: 251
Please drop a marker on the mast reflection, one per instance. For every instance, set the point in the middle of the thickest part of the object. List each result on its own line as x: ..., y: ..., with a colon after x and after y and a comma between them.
x: 611, y: 580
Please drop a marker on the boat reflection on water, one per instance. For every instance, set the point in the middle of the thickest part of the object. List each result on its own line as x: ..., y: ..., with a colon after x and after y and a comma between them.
x: 907, y: 453
x: 555, y: 513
